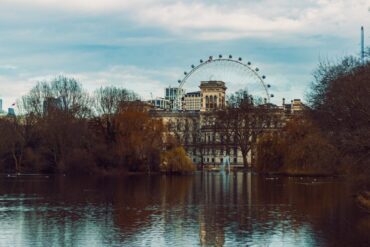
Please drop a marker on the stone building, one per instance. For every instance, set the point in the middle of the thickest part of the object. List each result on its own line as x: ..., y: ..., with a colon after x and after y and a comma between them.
x: 212, y: 95
x: 206, y: 140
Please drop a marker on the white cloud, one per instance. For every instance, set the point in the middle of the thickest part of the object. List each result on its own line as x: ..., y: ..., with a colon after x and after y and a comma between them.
x: 35, y: 37
x: 226, y: 19
x: 12, y: 88
x: 143, y: 81
x: 8, y: 67
x: 146, y: 83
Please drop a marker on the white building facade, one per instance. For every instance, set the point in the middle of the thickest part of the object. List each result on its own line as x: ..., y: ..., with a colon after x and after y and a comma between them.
x: 192, y: 101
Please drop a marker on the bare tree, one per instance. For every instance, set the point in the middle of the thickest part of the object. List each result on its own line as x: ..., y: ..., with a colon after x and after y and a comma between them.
x: 72, y: 98
x: 33, y: 102
x: 61, y: 93
x: 340, y: 103
x: 59, y: 108
x: 241, y: 122
x: 107, y: 101
x: 12, y: 140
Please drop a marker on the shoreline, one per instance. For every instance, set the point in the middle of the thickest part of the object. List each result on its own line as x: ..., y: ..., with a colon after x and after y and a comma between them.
x: 128, y: 173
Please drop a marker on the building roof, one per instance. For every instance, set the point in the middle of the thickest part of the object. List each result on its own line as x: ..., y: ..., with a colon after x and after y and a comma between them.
x: 212, y: 84
x: 174, y: 113
x: 196, y: 93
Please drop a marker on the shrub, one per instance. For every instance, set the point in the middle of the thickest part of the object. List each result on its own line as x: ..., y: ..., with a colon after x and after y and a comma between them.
x: 312, y: 154
x: 300, y: 148
x: 176, y: 161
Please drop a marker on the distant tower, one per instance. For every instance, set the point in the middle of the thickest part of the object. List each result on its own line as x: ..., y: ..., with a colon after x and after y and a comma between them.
x: 171, y: 94
x: 1, y: 105
x: 11, y: 111
x: 362, y: 45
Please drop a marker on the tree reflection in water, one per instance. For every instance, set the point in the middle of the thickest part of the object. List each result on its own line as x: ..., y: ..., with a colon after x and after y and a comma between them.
x: 208, y: 209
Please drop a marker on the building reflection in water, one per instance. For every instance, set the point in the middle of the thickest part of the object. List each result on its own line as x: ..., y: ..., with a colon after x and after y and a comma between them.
x: 208, y: 209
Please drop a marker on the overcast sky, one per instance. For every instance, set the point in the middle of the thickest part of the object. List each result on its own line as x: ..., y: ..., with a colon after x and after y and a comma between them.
x: 145, y: 45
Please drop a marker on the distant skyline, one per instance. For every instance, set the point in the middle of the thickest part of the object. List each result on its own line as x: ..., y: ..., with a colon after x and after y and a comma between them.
x: 145, y: 45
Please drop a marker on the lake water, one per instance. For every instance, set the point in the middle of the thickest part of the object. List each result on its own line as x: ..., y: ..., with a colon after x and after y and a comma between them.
x: 210, y: 209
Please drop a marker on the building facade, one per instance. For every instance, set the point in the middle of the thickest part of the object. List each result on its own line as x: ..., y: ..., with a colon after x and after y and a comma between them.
x: 171, y: 94
x: 160, y: 103
x: 51, y: 104
x: 209, y: 137
x: 192, y: 101
x: 208, y: 142
x: 11, y: 111
x: 212, y: 95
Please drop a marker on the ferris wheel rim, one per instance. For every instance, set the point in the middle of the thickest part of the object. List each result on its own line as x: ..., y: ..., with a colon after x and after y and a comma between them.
x: 213, y: 60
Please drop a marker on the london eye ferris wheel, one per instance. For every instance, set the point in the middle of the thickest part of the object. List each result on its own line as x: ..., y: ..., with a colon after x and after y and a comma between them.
x: 236, y: 74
